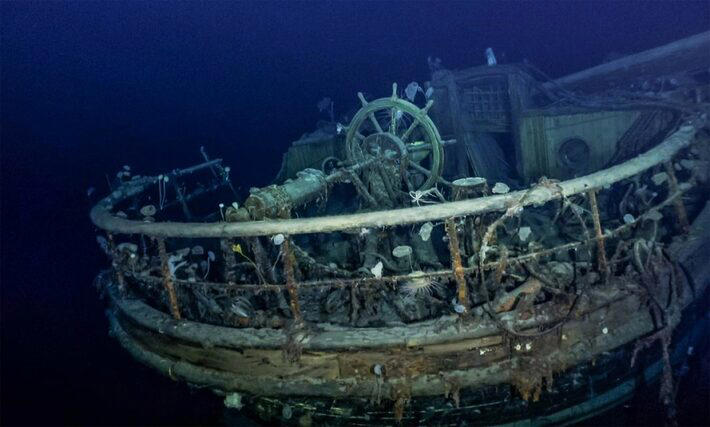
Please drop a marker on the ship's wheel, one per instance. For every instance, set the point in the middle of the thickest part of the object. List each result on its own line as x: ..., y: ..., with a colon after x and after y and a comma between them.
x: 397, y: 131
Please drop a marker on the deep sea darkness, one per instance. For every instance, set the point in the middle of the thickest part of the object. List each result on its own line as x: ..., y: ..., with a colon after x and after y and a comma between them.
x: 90, y: 86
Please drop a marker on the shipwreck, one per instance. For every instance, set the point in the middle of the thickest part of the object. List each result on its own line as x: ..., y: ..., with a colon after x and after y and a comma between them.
x: 493, y: 246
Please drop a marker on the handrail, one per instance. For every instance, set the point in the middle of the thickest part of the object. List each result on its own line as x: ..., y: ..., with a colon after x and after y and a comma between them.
x: 102, y: 217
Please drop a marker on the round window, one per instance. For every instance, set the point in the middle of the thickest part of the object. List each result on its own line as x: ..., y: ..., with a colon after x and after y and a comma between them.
x: 573, y: 154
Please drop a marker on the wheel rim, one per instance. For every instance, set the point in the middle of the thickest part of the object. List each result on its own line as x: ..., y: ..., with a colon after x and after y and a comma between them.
x: 399, y: 121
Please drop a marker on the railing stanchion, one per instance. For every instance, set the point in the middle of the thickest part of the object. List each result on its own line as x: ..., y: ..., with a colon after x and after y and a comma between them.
x: 678, y: 201
x: 168, y: 278
x: 456, y: 265
x: 289, y: 261
x: 599, y: 236
x: 230, y: 260
x: 114, y: 262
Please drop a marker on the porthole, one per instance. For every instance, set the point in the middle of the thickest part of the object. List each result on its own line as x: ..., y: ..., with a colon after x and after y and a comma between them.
x: 573, y: 155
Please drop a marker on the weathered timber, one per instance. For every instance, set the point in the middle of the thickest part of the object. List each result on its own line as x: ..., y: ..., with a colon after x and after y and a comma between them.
x: 585, y: 339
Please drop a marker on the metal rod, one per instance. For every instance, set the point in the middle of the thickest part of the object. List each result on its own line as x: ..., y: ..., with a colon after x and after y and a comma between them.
x: 181, y: 199
x: 222, y: 173
x: 196, y: 193
x: 196, y: 168
x: 207, y: 159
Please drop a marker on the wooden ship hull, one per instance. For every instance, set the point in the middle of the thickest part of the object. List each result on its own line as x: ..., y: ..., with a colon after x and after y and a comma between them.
x: 467, y: 378
x: 484, y: 326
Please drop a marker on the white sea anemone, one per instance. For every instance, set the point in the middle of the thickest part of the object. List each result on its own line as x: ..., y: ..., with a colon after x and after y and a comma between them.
x: 420, y: 286
x: 233, y: 400
x: 377, y: 270
x: 278, y: 239
x: 402, y: 251
x: 524, y: 233
x: 411, y: 91
x: 377, y: 370
x: 148, y: 210
x: 500, y: 188
x: 659, y: 178
x: 425, y: 231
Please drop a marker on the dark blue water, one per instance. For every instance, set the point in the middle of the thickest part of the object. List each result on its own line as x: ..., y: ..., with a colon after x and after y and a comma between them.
x: 90, y: 86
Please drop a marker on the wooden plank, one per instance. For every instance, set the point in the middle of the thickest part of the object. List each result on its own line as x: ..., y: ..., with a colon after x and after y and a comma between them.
x: 240, y: 362
x: 398, y: 362
x: 463, y: 345
x: 584, y: 339
x: 401, y: 363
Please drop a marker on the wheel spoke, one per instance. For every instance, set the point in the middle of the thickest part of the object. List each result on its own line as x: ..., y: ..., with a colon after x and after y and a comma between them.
x: 358, y: 152
x: 393, y: 121
x: 412, y: 148
x: 377, y: 126
x: 420, y: 168
x: 427, y: 172
x: 410, y: 129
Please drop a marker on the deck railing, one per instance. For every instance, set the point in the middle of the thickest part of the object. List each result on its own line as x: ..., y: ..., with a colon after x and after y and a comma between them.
x: 469, y: 224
